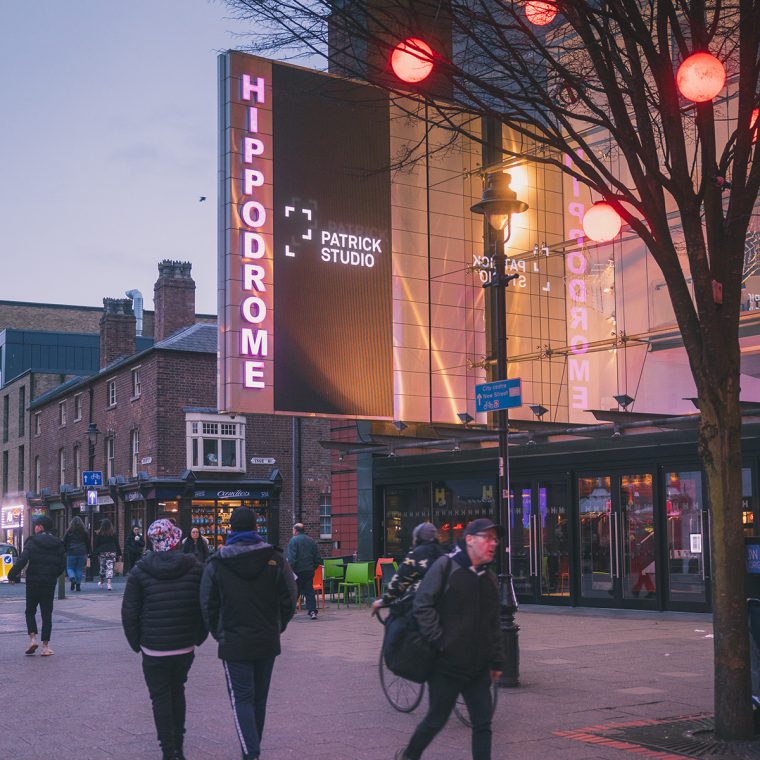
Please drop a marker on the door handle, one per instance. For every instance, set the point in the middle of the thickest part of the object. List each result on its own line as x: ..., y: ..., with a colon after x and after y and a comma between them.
x: 617, y: 572
x: 531, y: 570
x: 537, y: 549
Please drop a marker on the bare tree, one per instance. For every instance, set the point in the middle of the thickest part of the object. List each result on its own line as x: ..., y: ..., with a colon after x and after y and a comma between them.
x: 608, y: 66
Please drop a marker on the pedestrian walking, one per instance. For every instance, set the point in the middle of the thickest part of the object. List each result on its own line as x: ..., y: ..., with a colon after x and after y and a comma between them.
x: 457, y: 610
x: 107, y: 550
x: 161, y: 617
x: 304, y: 558
x: 134, y: 546
x: 76, y: 542
x: 248, y: 596
x: 46, y: 557
x: 196, y: 545
x: 420, y: 558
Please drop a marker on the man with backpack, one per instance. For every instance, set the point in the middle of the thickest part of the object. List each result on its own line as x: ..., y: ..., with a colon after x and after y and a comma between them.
x: 456, y: 608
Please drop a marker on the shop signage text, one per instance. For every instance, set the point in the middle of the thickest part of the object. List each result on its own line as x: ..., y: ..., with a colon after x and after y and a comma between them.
x: 240, y: 493
x: 263, y: 460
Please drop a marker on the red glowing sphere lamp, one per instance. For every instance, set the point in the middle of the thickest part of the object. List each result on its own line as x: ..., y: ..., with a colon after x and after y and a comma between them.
x: 412, y: 60
x: 601, y: 223
x: 700, y: 77
x: 540, y: 12
x: 753, y: 124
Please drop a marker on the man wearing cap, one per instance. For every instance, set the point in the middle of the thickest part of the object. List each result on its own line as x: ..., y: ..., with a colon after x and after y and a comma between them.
x: 457, y: 610
x: 161, y: 616
x: 46, y: 557
x: 248, y: 596
x: 304, y: 558
x: 420, y: 558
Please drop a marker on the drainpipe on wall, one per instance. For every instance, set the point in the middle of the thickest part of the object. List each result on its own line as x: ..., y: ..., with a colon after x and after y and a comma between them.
x: 295, y: 448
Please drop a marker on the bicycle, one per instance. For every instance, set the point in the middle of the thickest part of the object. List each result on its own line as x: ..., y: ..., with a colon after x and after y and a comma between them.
x: 405, y: 696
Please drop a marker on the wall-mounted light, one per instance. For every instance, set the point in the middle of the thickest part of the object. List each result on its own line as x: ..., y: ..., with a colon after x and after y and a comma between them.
x: 624, y: 400
x: 538, y: 409
x: 400, y: 425
x: 465, y: 418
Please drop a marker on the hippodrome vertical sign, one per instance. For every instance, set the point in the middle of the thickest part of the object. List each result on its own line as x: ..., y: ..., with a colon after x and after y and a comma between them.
x: 305, y: 259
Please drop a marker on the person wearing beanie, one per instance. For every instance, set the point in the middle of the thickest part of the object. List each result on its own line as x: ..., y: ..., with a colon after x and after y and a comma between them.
x: 424, y: 552
x: 304, y: 558
x: 46, y: 557
x: 248, y: 596
x: 161, y: 617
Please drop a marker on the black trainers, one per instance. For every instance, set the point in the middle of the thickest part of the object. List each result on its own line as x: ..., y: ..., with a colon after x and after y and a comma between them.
x: 72, y: 586
x: 313, y: 615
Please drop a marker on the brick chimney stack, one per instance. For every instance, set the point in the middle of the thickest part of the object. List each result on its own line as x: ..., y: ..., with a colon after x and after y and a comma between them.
x: 117, y: 330
x: 173, y: 298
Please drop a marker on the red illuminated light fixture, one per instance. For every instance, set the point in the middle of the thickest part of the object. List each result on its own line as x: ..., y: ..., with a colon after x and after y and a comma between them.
x: 601, y: 223
x: 700, y: 77
x: 540, y: 12
x: 412, y: 60
x: 753, y: 124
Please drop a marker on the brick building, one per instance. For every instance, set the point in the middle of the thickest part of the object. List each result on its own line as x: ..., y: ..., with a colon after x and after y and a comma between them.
x: 148, y: 420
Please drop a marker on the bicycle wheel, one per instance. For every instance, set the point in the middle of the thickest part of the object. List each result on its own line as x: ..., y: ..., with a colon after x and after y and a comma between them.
x: 460, y: 708
x: 403, y: 695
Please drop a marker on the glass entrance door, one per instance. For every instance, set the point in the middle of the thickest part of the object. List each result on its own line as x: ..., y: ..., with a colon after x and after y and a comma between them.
x: 540, y: 541
x: 618, y: 540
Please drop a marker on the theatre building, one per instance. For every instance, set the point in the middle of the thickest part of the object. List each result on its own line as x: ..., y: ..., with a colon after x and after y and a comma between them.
x: 148, y: 421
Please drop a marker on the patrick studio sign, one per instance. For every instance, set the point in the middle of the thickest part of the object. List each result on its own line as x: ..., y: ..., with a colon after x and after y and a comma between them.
x: 304, y: 243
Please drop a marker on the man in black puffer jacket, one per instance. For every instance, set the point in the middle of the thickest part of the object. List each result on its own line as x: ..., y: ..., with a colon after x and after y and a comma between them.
x: 161, y: 616
x: 45, y: 555
x: 248, y: 596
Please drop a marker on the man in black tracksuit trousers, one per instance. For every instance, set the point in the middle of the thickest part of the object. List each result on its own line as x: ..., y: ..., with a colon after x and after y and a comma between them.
x: 161, y: 616
x: 248, y: 596
x: 457, y: 610
x: 46, y: 557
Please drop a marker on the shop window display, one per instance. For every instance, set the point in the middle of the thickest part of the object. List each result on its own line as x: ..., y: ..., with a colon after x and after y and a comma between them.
x: 212, y: 518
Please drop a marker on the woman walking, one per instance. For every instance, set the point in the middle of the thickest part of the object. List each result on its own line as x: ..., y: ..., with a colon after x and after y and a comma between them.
x: 77, y: 545
x: 108, y: 551
x: 196, y: 544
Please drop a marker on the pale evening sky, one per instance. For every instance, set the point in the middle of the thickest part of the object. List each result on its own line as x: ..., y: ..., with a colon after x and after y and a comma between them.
x: 108, y: 117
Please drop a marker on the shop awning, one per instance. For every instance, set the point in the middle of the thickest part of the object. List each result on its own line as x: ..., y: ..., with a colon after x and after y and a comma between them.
x: 55, y: 505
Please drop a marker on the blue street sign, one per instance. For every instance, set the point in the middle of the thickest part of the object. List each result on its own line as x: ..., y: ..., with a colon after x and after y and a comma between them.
x: 92, y: 478
x: 501, y: 394
x: 92, y: 498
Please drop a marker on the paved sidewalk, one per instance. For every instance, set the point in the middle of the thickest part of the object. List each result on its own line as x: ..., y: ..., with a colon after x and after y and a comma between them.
x: 579, y: 668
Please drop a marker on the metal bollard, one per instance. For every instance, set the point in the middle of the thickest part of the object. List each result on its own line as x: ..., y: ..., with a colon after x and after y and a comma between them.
x: 62, y: 585
x: 510, y: 678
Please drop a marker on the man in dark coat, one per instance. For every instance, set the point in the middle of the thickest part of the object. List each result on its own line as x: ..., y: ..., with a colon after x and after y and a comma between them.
x: 457, y: 609
x: 304, y: 558
x: 161, y: 616
x: 46, y: 557
x: 248, y: 596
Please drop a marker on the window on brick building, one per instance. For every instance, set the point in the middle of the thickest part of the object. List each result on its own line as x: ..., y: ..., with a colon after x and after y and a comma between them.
x: 77, y: 407
x: 5, y: 474
x: 134, y: 450
x: 21, y: 470
x: 62, y: 413
x: 77, y: 465
x: 37, y: 474
x: 136, y: 382
x: 325, y: 515
x: 111, y: 392
x: 215, y: 442
x: 110, y: 456
x: 21, y: 411
x: 37, y: 423
x: 6, y: 413
x: 61, y: 467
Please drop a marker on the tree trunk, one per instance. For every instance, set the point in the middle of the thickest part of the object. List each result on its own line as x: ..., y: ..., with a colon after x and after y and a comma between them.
x: 720, y: 450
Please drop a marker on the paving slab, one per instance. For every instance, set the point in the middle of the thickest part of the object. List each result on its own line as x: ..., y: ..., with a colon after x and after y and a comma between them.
x: 579, y: 668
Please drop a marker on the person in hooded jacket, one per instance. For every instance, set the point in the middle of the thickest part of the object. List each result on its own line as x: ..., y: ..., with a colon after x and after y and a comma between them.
x: 77, y: 545
x: 161, y: 617
x: 46, y: 557
x: 196, y: 545
x: 248, y: 596
x: 424, y: 552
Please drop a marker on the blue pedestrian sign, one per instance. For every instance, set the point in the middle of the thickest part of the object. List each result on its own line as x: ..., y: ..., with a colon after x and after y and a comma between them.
x: 92, y: 478
x: 501, y: 394
x: 92, y: 498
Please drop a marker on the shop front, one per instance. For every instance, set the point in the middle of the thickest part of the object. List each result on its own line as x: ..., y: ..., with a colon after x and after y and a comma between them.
x: 211, y: 508
x: 12, y: 524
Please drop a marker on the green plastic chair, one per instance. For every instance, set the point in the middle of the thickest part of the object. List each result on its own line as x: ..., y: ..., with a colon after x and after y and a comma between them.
x: 357, y: 577
x: 334, y: 570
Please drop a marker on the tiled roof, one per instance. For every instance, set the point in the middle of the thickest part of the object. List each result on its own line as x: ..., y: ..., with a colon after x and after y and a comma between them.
x: 199, y: 338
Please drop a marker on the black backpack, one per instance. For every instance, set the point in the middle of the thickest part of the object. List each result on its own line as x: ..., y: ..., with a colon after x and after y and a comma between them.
x: 407, y: 653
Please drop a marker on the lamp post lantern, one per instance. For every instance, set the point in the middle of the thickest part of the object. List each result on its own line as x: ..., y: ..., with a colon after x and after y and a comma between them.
x: 92, y: 440
x: 498, y: 204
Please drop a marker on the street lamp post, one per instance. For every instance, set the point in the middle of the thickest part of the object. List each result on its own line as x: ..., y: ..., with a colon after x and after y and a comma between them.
x: 498, y: 204
x: 92, y: 440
